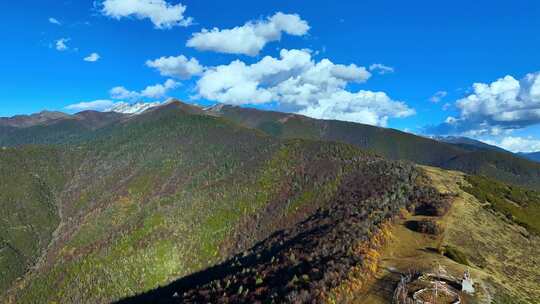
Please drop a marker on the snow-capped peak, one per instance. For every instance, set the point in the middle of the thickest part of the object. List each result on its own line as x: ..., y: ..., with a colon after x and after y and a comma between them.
x: 136, y: 108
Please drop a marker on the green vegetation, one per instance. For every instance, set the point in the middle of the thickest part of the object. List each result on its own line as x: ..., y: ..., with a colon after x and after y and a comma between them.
x: 301, y: 264
x: 518, y: 204
x: 271, y: 127
x: 455, y: 254
x: 169, y: 193
x: 29, y: 178
x: 116, y: 207
x: 392, y: 144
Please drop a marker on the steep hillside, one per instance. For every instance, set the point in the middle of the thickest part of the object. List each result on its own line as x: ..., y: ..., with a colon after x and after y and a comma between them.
x: 309, y: 262
x: 175, y: 205
x: 505, y: 167
x: 520, y: 205
x: 501, y: 256
x: 391, y: 144
x: 339, y: 256
x: 162, y: 195
x: 29, y: 180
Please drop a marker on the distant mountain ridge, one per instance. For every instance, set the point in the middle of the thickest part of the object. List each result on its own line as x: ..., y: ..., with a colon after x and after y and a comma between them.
x: 465, y: 155
x: 24, y: 121
x: 454, y: 153
x: 534, y: 156
x: 468, y: 143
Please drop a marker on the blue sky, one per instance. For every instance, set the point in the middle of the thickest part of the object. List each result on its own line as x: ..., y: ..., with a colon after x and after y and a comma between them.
x: 431, y: 47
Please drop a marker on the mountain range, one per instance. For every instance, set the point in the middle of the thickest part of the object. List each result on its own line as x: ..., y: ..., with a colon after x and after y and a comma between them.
x: 534, y: 156
x: 184, y: 204
x: 454, y: 153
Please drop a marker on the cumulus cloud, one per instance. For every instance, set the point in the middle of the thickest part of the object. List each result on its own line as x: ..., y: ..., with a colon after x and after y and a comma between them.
x: 162, y: 14
x: 121, y: 92
x: 438, y: 96
x: 92, y: 57
x: 54, y: 21
x: 159, y: 90
x: 152, y: 92
x: 61, y: 44
x: 294, y: 78
x: 381, y: 69
x: 497, y: 108
x: 517, y: 144
x: 180, y: 66
x: 250, y: 38
x: 297, y: 82
x: 373, y: 108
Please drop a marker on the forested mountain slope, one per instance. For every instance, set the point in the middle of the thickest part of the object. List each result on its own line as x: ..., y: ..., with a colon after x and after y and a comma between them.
x: 30, y: 178
x: 158, y: 196
x: 455, y: 153
x: 392, y: 144
x: 104, y: 207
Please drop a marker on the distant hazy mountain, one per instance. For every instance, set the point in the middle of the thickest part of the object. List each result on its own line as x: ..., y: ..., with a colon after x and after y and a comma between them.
x: 535, y: 156
x: 22, y: 121
x: 468, y: 143
x: 54, y: 129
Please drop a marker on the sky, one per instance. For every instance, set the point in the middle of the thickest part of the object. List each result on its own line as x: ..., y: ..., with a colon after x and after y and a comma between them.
x: 461, y: 68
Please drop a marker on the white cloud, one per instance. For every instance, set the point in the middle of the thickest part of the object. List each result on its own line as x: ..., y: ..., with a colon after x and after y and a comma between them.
x: 152, y: 92
x: 92, y: 57
x: 159, y: 90
x: 297, y: 82
x: 121, y: 92
x: 97, y: 105
x: 61, y: 44
x: 373, y: 108
x: 505, y: 103
x: 250, y: 38
x: 438, y: 96
x: 497, y: 108
x: 381, y: 69
x: 54, y: 21
x: 517, y: 144
x: 179, y: 66
x: 351, y: 73
x: 162, y: 14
